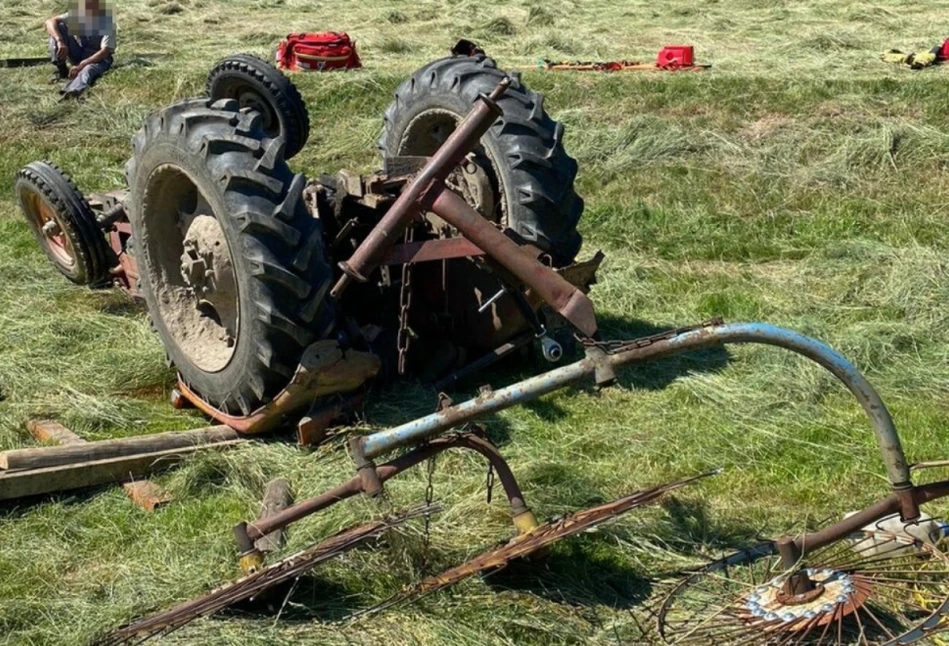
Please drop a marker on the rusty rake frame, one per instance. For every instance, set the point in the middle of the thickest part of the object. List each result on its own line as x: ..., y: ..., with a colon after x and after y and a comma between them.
x: 600, y: 366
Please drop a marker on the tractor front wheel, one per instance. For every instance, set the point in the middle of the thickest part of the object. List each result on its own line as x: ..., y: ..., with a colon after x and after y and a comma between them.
x: 62, y: 223
x: 232, y: 263
x: 260, y: 86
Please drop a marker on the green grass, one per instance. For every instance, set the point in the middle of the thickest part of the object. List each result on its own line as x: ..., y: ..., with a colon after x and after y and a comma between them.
x: 800, y: 182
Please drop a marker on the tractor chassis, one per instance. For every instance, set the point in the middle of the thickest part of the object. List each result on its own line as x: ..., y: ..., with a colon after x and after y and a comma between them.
x: 402, y: 192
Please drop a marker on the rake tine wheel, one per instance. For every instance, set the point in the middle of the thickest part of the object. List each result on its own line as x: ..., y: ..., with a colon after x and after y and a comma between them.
x: 874, y: 589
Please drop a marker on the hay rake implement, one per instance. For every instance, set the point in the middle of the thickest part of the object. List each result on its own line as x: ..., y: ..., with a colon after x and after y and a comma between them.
x: 848, y: 583
x: 229, y: 246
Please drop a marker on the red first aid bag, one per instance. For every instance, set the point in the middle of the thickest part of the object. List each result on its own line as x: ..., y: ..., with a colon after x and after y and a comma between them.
x: 327, y: 50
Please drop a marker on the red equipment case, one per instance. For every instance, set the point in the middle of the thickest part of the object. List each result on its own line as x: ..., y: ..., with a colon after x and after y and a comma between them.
x: 317, y: 51
x: 676, y: 56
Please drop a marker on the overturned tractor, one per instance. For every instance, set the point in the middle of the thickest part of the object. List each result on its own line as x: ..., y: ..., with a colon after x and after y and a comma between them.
x: 235, y: 254
x: 279, y: 298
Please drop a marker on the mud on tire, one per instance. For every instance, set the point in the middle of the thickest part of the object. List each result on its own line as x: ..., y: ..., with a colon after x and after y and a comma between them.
x: 534, y: 174
x: 48, y: 194
x: 234, y: 321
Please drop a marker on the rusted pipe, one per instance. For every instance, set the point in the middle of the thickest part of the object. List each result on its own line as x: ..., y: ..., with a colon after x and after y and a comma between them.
x: 262, y: 527
x: 413, y: 198
x: 889, y: 506
x: 565, y: 298
x: 501, y: 468
x: 813, y: 541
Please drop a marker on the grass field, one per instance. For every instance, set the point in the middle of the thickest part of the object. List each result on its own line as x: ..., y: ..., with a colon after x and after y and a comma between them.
x: 801, y: 181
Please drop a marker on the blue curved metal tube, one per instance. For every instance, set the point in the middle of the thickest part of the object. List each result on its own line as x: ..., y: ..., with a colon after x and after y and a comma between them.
x: 892, y: 451
x: 880, y: 420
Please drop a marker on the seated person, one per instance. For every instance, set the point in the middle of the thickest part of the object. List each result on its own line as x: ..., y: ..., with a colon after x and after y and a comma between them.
x: 85, y: 36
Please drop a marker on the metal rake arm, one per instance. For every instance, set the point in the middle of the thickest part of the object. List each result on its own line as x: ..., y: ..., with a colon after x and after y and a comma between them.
x: 601, y: 365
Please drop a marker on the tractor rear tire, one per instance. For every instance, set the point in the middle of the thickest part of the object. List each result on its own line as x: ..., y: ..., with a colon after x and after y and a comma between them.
x: 533, y: 174
x: 48, y: 195
x: 256, y: 84
x: 233, y: 268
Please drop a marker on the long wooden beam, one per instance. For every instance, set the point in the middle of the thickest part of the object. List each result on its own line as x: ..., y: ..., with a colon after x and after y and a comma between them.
x: 126, y: 468
x: 51, y: 456
x: 144, y: 493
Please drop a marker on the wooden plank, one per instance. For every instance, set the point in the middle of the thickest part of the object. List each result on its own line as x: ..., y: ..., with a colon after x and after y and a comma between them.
x: 41, y: 458
x: 34, y: 482
x: 277, y: 497
x: 146, y: 494
x: 143, y: 493
x: 46, y: 430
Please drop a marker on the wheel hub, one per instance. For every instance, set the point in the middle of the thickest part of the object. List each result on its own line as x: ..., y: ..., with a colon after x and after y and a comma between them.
x: 875, y: 588
x: 208, y: 274
x: 52, y: 230
x: 472, y: 182
x: 835, y: 593
x: 253, y: 100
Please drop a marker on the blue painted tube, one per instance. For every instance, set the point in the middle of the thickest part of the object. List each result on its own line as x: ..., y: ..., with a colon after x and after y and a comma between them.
x: 412, y: 432
x: 880, y: 420
x: 425, y: 427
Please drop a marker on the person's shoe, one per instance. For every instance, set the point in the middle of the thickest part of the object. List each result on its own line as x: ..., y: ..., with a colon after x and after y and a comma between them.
x: 70, y: 95
x: 61, y: 73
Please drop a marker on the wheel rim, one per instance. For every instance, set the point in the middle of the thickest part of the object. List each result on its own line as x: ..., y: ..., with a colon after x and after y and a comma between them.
x: 190, y: 269
x: 476, y: 179
x: 247, y: 96
x: 875, y: 588
x: 49, y: 224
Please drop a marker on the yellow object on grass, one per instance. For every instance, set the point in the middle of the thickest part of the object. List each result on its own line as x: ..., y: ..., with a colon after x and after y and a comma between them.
x: 915, y: 61
x: 894, y: 56
x: 921, y: 59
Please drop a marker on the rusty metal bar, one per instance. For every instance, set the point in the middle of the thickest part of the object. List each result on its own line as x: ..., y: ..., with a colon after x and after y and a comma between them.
x: 882, y: 424
x: 567, y: 299
x: 483, y: 362
x: 429, y: 250
x: 413, y: 200
x: 253, y: 531
x: 890, y: 505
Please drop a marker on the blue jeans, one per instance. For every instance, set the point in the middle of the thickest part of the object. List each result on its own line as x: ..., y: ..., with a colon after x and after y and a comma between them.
x: 80, y: 48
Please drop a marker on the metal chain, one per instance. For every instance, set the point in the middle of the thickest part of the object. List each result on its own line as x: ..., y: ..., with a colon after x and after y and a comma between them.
x: 489, y: 483
x: 614, y: 347
x: 405, y: 303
